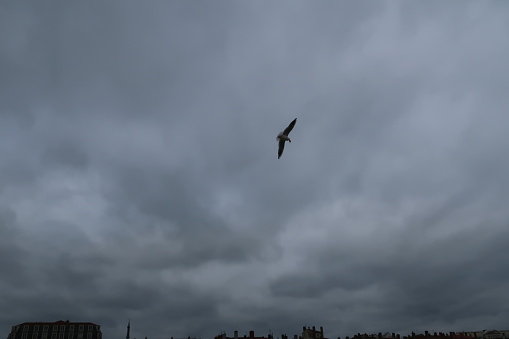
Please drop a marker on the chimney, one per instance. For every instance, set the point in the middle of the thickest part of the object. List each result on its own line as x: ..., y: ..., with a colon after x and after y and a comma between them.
x: 303, y: 328
x: 251, y: 334
x: 426, y: 333
x: 313, y: 328
x: 393, y: 335
x: 236, y: 334
x: 321, y: 330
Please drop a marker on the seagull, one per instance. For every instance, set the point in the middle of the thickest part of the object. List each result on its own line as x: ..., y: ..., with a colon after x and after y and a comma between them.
x: 283, y: 136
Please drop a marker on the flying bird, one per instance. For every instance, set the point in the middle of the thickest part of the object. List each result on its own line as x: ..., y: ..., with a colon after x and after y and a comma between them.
x: 283, y: 137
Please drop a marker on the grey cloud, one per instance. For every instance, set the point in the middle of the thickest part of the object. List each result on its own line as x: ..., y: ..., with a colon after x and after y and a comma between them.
x: 139, y: 175
x: 65, y: 154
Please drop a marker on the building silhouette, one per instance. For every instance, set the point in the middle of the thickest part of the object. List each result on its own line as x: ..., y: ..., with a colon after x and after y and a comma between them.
x: 312, y: 333
x: 56, y: 330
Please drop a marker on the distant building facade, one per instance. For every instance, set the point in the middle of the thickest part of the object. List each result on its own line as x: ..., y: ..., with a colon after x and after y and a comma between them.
x: 236, y: 336
x: 312, y: 333
x: 490, y: 334
x: 56, y: 330
x: 486, y: 334
x: 439, y: 335
x: 307, y: 333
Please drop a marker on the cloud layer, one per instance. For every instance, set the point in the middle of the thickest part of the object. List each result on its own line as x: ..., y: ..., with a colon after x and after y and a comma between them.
x: 139, y: 175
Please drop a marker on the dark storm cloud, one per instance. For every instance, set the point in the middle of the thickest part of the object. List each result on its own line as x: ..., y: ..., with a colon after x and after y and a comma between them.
x: 12, y: 274
x: 65, y: 154
x: 419, y: 277
x: 139, y: 172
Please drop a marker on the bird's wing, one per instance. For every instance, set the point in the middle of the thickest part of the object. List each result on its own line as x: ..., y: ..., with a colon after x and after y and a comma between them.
x: 290, y: 127
x: 281, y: 148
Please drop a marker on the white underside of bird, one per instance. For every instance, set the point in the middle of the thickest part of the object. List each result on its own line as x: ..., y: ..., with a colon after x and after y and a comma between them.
x: 283, y: 137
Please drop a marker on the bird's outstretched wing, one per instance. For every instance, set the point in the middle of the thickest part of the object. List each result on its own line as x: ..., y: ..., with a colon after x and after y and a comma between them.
x: 290, y: 127
x: 281, y: 148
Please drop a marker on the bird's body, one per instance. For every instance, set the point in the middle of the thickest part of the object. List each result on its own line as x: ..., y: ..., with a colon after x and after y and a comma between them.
x: 283, y: 137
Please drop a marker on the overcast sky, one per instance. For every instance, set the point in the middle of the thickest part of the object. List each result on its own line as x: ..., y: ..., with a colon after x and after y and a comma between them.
x: 139, y: 175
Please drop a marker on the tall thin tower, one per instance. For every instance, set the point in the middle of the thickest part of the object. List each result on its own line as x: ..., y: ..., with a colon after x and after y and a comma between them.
x: 128, y: 329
